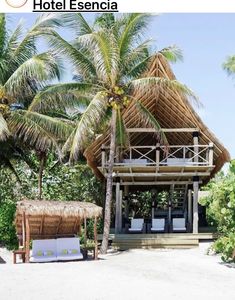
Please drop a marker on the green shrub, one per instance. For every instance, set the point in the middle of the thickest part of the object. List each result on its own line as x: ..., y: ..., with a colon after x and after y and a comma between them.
x: 221, y: 211
x: 226, y: 246
x: 7, y: 228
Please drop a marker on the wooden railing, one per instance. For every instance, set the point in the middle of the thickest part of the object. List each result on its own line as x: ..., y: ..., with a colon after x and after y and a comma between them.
x: 174, y: 155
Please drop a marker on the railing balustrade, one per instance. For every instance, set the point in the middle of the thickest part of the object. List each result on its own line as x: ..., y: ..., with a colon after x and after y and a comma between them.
x: 173, y: 155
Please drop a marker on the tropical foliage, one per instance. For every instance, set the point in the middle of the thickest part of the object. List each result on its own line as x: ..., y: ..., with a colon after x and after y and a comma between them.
x: 221, y: 210
x: 24, y: 72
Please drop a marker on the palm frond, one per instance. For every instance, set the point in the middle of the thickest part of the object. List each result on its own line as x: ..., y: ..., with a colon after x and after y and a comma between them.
x: 143, y: 84
x: 77, y: 22
x: 13, y: 41
x: 78, y: 56
x: 86, y: 127
x: 37, y: 70
x: 172, y: 53
x: 8, y: 164
x: 4, y: 131
x: 105, y: 54
x: 3, y: 33
x: 229, y: 65
x: 149, y: 120
x: 122, y: 137
x: 26, y: 48
x: 134, y: 26
x: 39, y: 131
x: 61, y: 96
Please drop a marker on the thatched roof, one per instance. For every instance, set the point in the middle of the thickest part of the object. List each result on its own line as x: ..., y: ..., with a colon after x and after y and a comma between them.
x: 54, y: 218
x: 172, y: 110
x: 59, y: 208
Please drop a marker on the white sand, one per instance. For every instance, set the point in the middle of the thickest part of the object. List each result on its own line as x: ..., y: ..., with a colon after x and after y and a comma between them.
x: 136, y: 274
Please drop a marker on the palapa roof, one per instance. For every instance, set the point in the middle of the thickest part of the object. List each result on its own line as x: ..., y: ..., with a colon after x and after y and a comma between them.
x: 54, y: 218
x: 64, y: 209
x: 172, y: 110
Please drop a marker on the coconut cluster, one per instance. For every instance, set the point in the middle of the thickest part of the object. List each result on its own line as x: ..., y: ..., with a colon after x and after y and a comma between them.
x: 117, y: 98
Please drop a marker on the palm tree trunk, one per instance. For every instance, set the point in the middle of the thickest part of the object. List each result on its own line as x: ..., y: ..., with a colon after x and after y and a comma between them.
x: 42, y: 158
x: 109, y: 187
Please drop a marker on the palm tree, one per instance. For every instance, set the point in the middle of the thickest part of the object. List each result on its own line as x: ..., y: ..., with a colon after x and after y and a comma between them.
x: 24, y: 72
x: 229, y: 65
x: 109, y: 59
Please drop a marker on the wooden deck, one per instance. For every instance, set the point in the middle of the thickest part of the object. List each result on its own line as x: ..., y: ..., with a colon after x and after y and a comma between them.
x: 162, y: 240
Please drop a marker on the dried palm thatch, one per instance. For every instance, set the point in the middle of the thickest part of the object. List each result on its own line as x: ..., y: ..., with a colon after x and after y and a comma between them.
x: 48, y: 219
x: 63, y: 209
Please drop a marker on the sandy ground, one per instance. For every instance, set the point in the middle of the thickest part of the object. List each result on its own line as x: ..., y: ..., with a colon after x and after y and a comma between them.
x: 136, y: 274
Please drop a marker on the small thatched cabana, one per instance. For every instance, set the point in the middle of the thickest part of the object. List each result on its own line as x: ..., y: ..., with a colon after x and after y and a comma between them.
x: 50, y: 219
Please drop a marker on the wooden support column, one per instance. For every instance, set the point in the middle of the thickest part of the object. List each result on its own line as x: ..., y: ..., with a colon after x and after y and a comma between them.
x: 118, y: 207
x: 95, y: 239
x: 190, y: 209
x: 126, y: 209
x: 27, y: 241
x: 211, y: 152
x: 23, y: 231
x: 195, y: 204
x: 85, y: 233
x: 157, y: 156
x: 170, y: 204
x: 103, y: 156
x: 195, y: 143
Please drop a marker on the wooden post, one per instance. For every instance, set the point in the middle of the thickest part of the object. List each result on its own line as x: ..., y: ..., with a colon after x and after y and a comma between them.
x: 195, y: 204
x: 190, y: 209
x: 103, y: 156
x: 85, y: 233
x: 157, y: 156
x: 195, y: 143
x: 23, y: 231
x: 211, y: 152
x: 27, y: 242
x: 170, y: 204
x: 120, y: 214
x: 118, y: 207
x: 95, y: 238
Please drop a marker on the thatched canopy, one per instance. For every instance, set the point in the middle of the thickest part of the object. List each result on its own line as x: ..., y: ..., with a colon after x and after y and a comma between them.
x: 172, y: 110
x: 53, y: 218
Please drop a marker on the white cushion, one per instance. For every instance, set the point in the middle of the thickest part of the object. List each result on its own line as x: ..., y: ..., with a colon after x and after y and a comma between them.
x: 136, y: 161
x: 43, y: 246
x: 179, y: 161
x: 68, y: 244
x: 179, y: 224
x: 137, y: 224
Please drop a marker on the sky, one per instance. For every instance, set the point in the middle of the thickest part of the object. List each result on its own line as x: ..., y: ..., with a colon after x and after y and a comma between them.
x: 206, y: 41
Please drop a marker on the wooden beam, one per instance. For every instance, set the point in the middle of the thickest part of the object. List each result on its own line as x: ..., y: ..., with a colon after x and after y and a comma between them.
x: 190, y: 174
x: 27, y: 242
x: 152, y: 130
x: 155, y: 182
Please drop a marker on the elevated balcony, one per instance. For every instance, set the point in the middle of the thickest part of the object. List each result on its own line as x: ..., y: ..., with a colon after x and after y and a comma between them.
x: 160, y: 163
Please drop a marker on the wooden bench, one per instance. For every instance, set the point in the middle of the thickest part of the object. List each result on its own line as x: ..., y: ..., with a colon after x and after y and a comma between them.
x: 21, y: 252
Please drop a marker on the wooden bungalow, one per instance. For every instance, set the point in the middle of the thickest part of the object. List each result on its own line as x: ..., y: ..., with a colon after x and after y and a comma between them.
x: 36, y: 219
x: 194, y: 154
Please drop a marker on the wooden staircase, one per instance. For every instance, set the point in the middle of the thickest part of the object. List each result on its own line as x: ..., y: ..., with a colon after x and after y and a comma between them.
x: 163, y: 240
